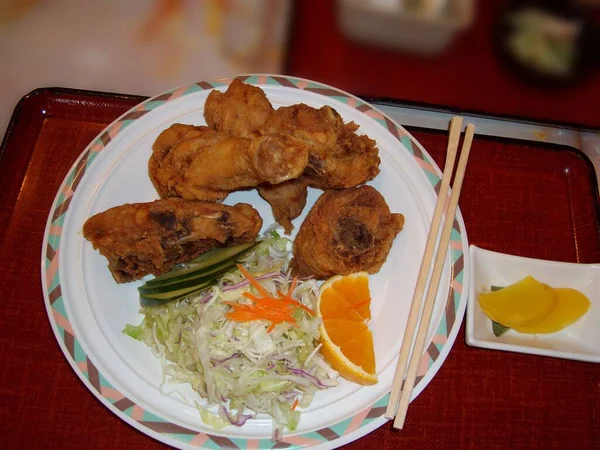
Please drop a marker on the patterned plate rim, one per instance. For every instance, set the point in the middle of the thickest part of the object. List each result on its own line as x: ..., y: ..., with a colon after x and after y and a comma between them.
x: 165, y: 431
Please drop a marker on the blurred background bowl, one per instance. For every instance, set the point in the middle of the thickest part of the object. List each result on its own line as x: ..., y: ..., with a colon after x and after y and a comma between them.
x: 585, y: 45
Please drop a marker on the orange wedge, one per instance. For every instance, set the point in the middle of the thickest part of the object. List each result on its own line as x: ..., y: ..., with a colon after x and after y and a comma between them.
x: 345, y: 307
x: 355, y: 290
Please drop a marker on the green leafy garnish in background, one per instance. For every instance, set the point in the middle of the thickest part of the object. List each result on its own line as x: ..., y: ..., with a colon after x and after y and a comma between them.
x: 498, y: 328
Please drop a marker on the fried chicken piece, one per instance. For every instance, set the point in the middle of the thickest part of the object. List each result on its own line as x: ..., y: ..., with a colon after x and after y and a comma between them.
x: 346, y: 231
x: 339, y: 158
x: 164, y: 143
x: 172, y: 136
x: 241, y: 111
x: 210, y: 165
x: 287, y: 200
x: 151, y: 238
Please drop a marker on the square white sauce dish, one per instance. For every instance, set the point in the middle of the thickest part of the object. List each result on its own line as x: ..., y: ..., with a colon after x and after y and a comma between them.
x: 578, y: 341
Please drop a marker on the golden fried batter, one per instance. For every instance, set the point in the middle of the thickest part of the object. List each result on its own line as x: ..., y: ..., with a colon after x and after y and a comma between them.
x: 172, y: 136
x: 339, y: 158
x: 287, y: 200
x: 210, y: 165
x: 151, y: 238
x: 241, y: 111
x: 346, y: 231
x: 165, y: 142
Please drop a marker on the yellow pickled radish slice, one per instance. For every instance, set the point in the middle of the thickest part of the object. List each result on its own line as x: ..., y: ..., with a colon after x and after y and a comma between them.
x: 519, y: 304
x: 571, y: 305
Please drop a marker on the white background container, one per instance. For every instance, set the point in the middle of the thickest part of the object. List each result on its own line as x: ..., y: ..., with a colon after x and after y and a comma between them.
x: 390, y: 24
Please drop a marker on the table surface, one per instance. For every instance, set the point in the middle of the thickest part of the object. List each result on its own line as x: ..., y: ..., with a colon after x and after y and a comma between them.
x: 467, y: 74
x: 517, y: 197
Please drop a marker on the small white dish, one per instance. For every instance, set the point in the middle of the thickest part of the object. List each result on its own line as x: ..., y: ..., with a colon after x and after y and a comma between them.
x: 579, y: 341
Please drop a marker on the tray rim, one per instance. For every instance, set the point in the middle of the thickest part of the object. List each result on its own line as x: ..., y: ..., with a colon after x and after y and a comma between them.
x: 384, y: 101
x: 549, y: 146
x: 514, y: 118
x: 57, y: 91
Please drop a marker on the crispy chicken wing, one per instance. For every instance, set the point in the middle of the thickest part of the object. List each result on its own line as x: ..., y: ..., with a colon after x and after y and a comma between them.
x: 209, y: 165
x: 151, y: 238
x: 241, y: 111
x: 339, y: 158
x: 346, y: 231
x: 172, y: 136
x: 165, y: 142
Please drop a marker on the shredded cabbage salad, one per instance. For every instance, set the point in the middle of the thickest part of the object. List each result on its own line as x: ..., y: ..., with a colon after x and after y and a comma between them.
x: 243, y: 369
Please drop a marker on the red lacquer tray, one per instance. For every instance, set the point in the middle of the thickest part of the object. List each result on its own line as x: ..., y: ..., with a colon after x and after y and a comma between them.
x: 519, y: 197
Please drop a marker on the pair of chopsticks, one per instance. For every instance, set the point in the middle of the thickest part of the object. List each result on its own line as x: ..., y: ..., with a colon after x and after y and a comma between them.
x: 401, y: 392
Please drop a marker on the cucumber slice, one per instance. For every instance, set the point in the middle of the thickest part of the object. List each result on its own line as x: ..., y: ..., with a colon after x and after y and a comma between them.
x: 216, y: 255
x: 200, y: 274
x: 195, y: 275
x: 169, y: 295
x: 204, y: 261
x: 160, y: 302
x: 191, y: 281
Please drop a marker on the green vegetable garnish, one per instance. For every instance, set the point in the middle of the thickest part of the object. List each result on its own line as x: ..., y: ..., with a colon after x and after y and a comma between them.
x: 498, y: 328
x: 194, y: 276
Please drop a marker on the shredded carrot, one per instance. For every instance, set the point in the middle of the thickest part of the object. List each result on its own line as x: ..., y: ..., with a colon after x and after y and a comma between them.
x: 259, y: 287
x: 295, y: 303
x: 250, y: 296
x: 288, y: 297
x: 273, y: 309
x: 295, y: 404
x: 241, y: 316
x: 293, y: 286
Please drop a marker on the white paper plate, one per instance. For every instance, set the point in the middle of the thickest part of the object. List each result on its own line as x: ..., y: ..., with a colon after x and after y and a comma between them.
x: 88, y: 310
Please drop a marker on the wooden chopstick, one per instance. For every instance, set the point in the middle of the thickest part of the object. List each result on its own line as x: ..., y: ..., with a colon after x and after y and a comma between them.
x: 398, y: 407
x: 453, y: 140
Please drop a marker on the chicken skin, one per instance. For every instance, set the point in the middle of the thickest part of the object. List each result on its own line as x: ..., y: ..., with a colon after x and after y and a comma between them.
x: 207, y: 165
x: 338, y: 157
x: 240, y: 111
x: 165, y: 142
x: 139, y: 239
x: 287, y: 200
x: 173, y: 135
x: 346, y: 231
